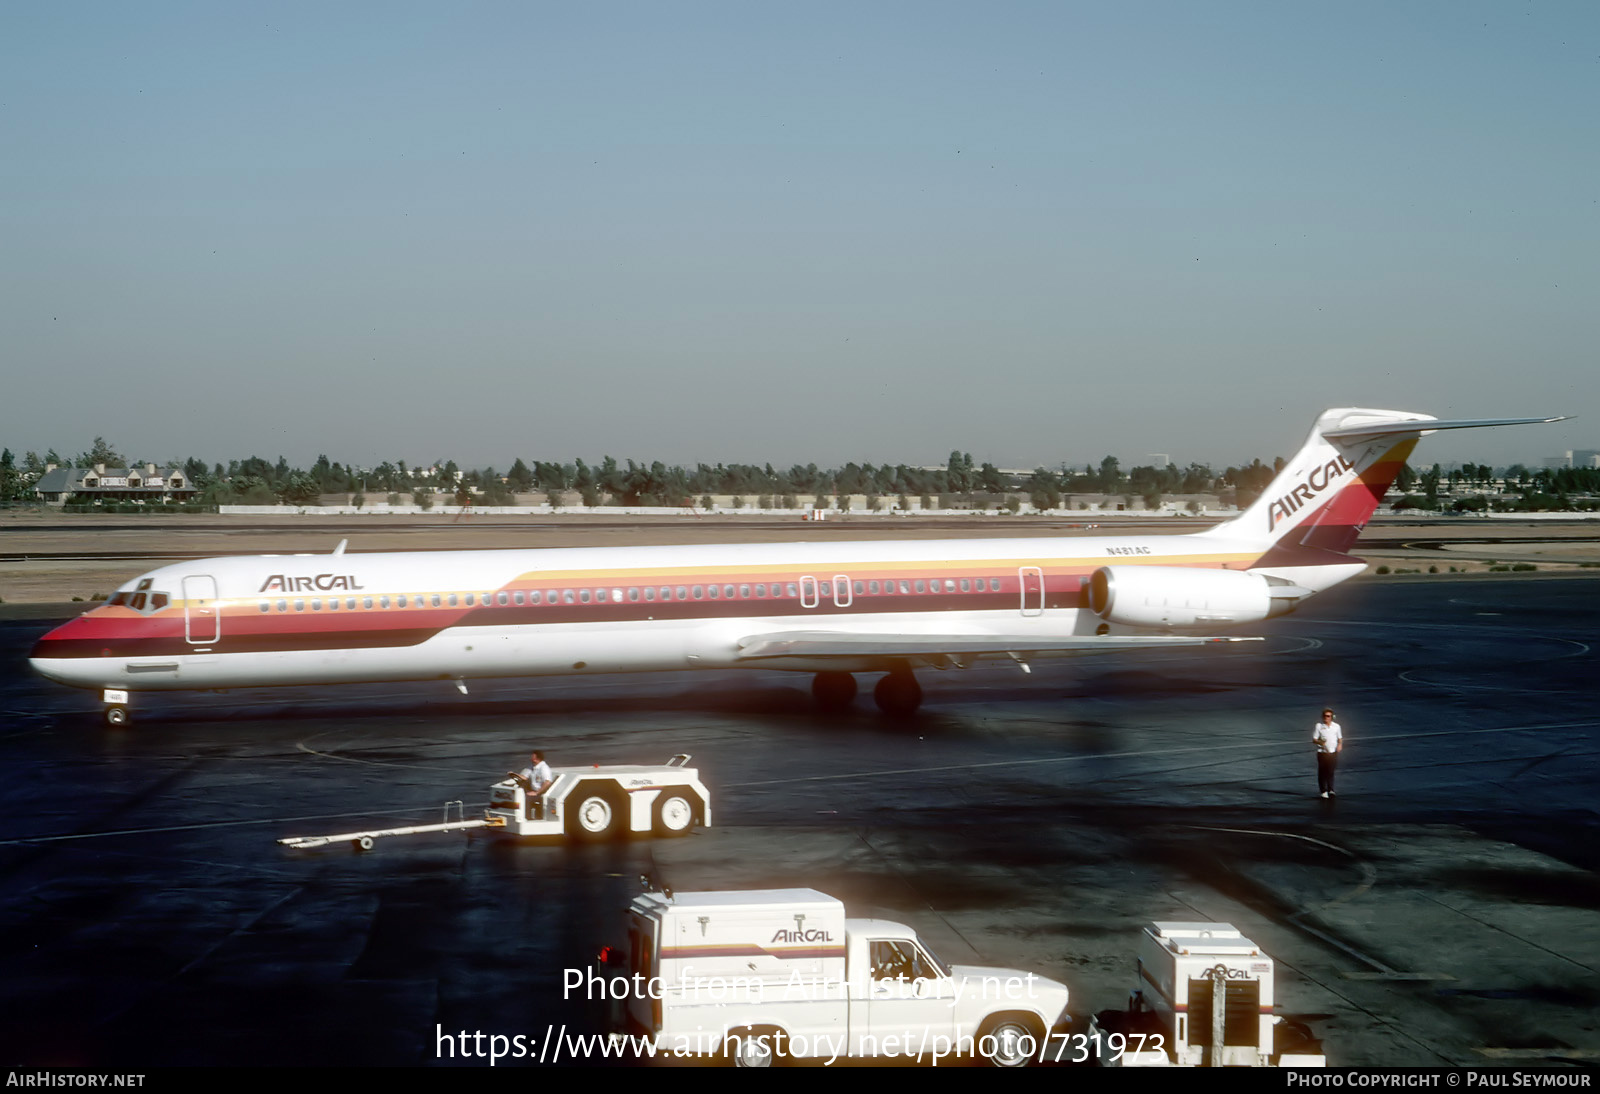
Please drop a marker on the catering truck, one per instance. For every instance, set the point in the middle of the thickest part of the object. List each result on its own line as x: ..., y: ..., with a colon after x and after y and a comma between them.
x: 1204, y: 998
x: 764, y: 975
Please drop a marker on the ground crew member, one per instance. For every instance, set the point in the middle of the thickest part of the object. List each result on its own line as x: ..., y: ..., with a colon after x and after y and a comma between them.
x: 1329, y: 739
x: 535, y: 779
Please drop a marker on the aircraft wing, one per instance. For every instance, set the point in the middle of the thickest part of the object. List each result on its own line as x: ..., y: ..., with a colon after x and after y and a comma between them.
x: 843, y: 644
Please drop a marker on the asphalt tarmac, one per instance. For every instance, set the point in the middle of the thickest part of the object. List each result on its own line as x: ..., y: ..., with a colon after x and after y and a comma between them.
x: 1444, y: 908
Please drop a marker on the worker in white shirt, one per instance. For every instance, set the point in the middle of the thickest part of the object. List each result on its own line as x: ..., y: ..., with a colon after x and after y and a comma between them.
x: 535, y: 779
x: 1329, y: 739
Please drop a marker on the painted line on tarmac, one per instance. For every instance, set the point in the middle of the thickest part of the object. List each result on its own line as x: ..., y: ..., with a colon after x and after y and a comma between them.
x: 1046, y: 760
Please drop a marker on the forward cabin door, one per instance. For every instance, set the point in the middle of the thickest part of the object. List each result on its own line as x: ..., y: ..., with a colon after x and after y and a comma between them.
x: 1032, y: 590
x: 202, y: 623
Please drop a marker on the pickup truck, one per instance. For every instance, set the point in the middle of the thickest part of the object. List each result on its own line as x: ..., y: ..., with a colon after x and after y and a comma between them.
x: 764, y: 975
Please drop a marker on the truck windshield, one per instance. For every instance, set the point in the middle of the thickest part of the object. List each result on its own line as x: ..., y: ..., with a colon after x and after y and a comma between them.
x: 902, y: 959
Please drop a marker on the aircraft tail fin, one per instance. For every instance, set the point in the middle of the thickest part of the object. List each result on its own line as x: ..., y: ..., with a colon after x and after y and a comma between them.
x: 1324, y: 496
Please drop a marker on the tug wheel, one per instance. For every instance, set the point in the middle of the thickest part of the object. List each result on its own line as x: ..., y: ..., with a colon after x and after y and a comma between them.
x: 674, y: 815
x: 594, y: 813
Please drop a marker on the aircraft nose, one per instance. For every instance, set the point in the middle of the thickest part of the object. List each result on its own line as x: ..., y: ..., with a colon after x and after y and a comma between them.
x: 67, y: 653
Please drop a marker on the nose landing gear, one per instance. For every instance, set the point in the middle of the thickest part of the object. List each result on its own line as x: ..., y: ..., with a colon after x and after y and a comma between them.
x: 116, y: 709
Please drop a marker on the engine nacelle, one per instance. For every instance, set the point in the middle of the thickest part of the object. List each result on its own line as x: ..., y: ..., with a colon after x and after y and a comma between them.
x: 1176, y: 596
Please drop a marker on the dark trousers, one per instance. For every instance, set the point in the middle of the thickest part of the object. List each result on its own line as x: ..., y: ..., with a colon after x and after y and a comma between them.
x: 1327, y: 765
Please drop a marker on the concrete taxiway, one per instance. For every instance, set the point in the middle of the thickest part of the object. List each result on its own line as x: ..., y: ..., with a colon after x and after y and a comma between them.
x: 1443, y: 909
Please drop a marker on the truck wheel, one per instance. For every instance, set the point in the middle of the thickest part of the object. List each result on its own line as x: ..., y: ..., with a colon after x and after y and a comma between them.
x: 593, y: 813
x: 1010, y: 1042
x: 752, y: 1047
x: 674, y: 815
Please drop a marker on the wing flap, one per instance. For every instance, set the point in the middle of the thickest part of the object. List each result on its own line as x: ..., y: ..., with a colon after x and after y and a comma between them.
x: 813, y: 644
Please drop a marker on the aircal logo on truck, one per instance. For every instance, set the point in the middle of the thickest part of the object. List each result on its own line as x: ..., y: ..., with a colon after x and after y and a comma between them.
x: 299, y: 583
x: 812, y: 935
x: 1316, y: 482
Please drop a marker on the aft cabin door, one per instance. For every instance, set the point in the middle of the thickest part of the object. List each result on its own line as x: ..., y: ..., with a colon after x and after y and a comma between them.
x: 1032, y: 590
x: 202, y: 625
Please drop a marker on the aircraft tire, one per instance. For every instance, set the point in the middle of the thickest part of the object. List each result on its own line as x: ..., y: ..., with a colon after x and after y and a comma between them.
x: 116, y: 717
x: 898, y: 694
x: 833, y: 691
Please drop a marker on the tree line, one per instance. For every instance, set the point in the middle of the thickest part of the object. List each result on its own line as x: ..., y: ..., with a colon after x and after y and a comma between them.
x: 257, y: 481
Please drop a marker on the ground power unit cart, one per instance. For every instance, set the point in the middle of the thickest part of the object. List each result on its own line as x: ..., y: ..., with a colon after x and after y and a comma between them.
x: 1204, y: 999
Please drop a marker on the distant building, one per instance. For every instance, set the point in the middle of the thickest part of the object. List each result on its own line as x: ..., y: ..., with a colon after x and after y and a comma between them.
x: 1585, y: 457
x: 58, y: 485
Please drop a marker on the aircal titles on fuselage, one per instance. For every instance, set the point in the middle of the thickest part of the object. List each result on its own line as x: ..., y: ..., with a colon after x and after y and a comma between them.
x: 302, y: 583
x: 1319, y: 479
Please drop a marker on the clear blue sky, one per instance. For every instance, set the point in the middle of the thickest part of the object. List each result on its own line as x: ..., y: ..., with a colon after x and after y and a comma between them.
x: 808, y: 232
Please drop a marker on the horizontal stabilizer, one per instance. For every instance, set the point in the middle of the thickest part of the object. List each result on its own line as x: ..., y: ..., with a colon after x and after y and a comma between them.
x: 1428, y: 425
x: 842, y: 644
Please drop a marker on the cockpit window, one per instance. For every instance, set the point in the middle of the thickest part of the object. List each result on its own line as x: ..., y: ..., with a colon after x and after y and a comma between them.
x: 141, y: 600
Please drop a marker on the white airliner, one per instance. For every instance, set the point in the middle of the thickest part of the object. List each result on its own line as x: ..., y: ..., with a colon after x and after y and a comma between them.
x: 832, y: 609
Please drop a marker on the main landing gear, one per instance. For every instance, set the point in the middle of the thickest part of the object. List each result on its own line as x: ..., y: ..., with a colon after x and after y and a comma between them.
x: 898, y: 694
x: 833, y: 691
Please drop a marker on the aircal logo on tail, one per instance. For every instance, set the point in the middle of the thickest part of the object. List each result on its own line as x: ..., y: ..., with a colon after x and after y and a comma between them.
x: 1315, y: 483
x: 295, y: 583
